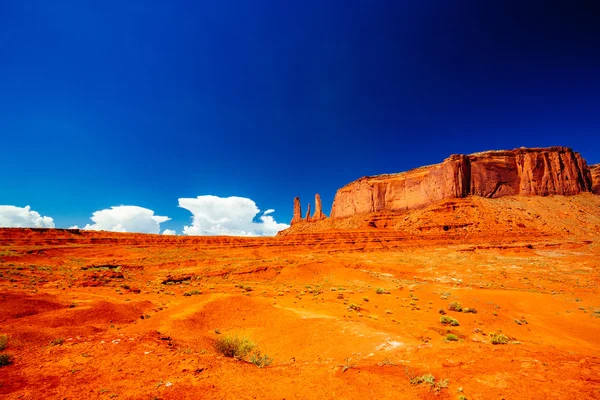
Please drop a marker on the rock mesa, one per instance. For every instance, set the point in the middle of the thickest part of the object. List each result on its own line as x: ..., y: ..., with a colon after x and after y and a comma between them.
x: 491, y: 174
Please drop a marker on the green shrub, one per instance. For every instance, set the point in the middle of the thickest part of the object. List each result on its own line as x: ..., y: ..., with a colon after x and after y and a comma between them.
x: 498, y: 338
x: 429, y: 379
x: 469, y: 310
x: 57, y: 341
x: 5, y: 359
x: 3, y: 341
x: 354, y: 307
x: 192, y: 293
x: 455, y: 306
x: 451, y: 337
x: 380, y: 290
x: 234, y: 346
x: 445, y: 320
x: 260, y: 360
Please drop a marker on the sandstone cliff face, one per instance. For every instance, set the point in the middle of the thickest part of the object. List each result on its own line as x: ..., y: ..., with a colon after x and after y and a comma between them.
x: 595, y: 174
x: 547, y: 171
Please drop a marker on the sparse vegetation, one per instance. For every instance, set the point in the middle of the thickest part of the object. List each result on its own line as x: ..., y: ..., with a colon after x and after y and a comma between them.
x: 3, y: 342
x: 455, y: 306
x: 57, y: 341
x: 445, y: 320
x: 380, y: 290
x: 5, y: 359
x: 469, y: 310
x: 234, y: 346
x: 387, y: 362
x: 354, y: 307
x: 348, y: 365
x: 429, y: 379
x: 498, y: 338
x: 451, y: 337
x: 192, y: 293
x: 260, y: 360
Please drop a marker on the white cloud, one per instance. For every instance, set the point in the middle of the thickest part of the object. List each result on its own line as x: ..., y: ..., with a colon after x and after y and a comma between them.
x: 74, y: 227
x: 23, y: 217
x: 229, y: 216
x: 169, y: 232
x: 126, y: 219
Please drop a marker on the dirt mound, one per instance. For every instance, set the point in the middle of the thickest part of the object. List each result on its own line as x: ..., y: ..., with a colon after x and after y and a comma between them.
x: 15, y: 305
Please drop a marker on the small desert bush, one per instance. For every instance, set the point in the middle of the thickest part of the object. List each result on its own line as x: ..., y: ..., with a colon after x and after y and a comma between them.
x: 5, y: 359
x: 445, y: 320
x: 469, y: 310
x: 233, y: 346
x: 354, y: 307
x: 3, y: 341
x: 192, y: 293
x: 429, y: 379
x: 380, y: 290
x: 451, y: 337
x: 498, y: 338
x: 455, y: 306
x: 260, y: 360
x: 57, y: 341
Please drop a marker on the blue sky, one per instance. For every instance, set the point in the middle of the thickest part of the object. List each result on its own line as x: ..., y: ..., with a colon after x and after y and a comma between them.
x: 142, y: 103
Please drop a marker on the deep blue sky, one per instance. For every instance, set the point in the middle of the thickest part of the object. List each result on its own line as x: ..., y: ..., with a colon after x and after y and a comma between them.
x: 105, y: 103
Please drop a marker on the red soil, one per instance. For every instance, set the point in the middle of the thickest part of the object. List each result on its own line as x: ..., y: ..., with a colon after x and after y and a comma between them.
x: 129, y: 331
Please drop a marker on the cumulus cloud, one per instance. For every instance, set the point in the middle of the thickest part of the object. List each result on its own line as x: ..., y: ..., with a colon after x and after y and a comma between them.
x: 23, y: 217
x: 126, y: 219
x: 229, y: 216
x: 169, y: 232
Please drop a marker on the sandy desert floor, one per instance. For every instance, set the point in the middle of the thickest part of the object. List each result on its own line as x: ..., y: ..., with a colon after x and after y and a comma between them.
x: 344, y: 315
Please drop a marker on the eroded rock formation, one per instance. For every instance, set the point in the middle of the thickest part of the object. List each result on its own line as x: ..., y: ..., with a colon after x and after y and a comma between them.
x: 297, y: 211
x: 595, y: 174
x: 492, y: 174
x: 318, y: 209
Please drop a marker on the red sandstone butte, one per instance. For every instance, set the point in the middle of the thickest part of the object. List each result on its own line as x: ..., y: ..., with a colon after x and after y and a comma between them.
x: 491, y: 174
x: 595, y: 173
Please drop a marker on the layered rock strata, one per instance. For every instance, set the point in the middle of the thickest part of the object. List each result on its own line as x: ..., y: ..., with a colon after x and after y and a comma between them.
x: 491, y: 174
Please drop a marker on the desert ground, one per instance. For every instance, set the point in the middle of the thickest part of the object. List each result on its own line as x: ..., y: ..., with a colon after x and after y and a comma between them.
x: 347, y: 313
